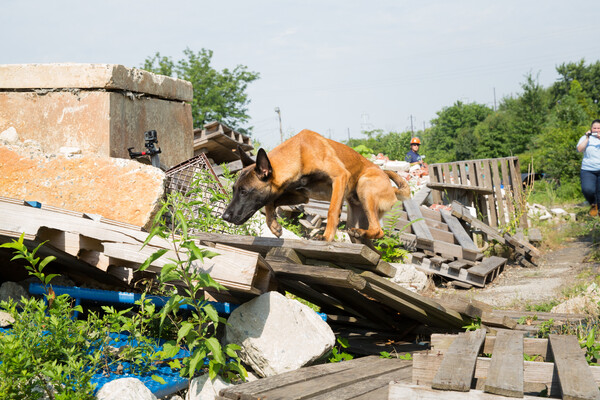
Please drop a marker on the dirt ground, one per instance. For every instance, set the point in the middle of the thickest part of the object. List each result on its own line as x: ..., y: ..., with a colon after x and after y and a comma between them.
x: 516, y: 287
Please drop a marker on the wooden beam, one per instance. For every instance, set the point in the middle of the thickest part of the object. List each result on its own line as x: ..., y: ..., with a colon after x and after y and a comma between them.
x: 505, y: 376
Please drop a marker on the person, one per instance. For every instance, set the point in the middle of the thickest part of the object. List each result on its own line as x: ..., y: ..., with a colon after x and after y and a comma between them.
x: 589, y: 145
x: 413, y: 157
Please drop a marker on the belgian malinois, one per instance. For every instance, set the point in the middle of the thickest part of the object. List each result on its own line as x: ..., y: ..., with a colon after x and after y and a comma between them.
x: 309, y: 166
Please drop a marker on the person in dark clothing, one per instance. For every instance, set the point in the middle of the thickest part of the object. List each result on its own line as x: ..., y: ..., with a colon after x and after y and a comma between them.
x: 413, y: 157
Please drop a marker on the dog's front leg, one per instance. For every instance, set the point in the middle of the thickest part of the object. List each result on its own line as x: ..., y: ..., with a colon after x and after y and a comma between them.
x: 271, y: 217
x: 338, y: 190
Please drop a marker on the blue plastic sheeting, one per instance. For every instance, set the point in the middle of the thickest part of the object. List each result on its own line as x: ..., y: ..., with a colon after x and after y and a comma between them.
x: 110, y: 296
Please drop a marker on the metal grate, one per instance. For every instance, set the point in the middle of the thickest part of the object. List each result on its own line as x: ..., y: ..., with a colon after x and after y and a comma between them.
x: 181, y: 177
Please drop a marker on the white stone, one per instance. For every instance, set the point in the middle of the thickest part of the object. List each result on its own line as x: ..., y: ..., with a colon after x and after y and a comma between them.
x: 398, y: 166
x: 10, y: 135
x: 278, y: 334
x: 558, y: 211
x: 6, y: 319
x: 125, y: 388
x: 202, y: 388
x: 69, y: 151
x: 409, y: 277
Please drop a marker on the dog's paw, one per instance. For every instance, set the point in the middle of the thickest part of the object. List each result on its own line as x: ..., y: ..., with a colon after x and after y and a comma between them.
x: 319, y: 237
x: 355, y: 233
x: 276, y: 229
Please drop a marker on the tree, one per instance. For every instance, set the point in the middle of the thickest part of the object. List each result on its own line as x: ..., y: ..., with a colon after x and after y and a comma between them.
x: 454, y: 123
x: 218, y: 95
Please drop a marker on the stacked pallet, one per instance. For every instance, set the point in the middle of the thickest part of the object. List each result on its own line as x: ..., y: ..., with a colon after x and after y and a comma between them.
x: 219, y: 142
x: 90, y: 245
x: 455, y: 365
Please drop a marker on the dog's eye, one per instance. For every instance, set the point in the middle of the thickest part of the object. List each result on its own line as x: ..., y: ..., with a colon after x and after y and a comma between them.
x: 243, y: 192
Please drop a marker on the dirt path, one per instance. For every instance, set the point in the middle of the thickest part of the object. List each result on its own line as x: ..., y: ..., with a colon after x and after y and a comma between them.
x: 517, y: 286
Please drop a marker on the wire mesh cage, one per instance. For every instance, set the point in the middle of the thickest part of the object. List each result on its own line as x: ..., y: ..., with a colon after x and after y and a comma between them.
x: 197, y: 183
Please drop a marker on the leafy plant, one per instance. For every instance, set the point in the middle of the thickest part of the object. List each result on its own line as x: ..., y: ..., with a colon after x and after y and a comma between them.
x: 337, y: 354
x: 474, y: 325
x: 591, y: 347
x: 196, y: 333
x: 406, y: 356
x: 545, y: 328
x: 390, y: 246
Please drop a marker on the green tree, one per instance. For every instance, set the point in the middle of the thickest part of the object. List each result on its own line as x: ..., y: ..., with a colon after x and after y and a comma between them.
x: 451, y: 137
x: 218, y: 95
x: 587, y: 75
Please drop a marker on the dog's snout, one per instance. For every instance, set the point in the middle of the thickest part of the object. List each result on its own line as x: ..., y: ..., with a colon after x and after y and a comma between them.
x: 226, y: 216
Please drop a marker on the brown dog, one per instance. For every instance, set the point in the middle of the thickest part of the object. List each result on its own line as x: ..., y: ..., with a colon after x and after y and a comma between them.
x: 309, y: 166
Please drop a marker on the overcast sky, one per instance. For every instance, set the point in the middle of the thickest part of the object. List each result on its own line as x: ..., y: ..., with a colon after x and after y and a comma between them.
x: 334, y: 67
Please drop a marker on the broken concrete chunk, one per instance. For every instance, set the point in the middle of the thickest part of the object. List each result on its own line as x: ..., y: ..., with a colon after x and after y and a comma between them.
x: 117, y: 189
x: 202, y: 388
x: 278, y: 334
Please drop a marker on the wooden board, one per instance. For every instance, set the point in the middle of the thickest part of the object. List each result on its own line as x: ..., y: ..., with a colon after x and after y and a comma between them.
x: 458, y: 366
x: 576, y: 379
x: 418, y: 225
x: 400, y: 391
x: 462, y: 237
x: 328, y: 251
x: 505, y: 376
x: 343, y: 380
x: 316, y: 274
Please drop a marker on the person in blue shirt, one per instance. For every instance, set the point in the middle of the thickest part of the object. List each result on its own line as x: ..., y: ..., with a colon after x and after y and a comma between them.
x: 413, y: 157
x: 589, y: 145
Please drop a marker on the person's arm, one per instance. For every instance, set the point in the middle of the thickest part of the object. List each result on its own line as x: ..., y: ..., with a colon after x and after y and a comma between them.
x: 583, y: 144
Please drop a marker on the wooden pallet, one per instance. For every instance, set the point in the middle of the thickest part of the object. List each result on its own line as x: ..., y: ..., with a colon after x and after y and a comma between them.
x: 455, y: 365
x: 471, y: 274
x: 219, y: 141
x: 364, y: 378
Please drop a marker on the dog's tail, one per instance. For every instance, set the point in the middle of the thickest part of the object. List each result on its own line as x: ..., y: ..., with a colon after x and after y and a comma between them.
x: 403, y: 190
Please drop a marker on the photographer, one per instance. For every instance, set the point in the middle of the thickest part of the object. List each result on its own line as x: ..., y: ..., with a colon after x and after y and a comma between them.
x: 589, y: 145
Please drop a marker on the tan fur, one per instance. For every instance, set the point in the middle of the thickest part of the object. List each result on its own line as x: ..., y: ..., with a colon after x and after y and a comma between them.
x: 311, y: 166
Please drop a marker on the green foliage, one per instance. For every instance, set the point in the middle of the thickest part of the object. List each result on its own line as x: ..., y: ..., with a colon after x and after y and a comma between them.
x: 218, y: 95
x: 474, y: 325
x: 591, y: 346
x: 337, y: 354
x: 543, y: 307
x: 406, y: 356
x: 363, y: 150
x: 393, y: 144
x: 545, y: 328
x: 196, y: 333
x: 390, y: 246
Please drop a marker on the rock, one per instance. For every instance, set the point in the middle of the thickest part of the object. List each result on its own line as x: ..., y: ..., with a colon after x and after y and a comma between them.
x: 10, y: 135
x: 558, y: 211
x: 125, y: 388
x: 278, y: 334
x: 202, y: 388
x: 409, y: 277
x: 12, y: 290
x: 6, y: 319
x: 117, y: 189
x: 584, y: 304
x: 69, y: 151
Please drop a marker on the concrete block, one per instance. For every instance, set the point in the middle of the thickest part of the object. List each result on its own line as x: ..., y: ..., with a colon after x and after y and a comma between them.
x: 101, y: 109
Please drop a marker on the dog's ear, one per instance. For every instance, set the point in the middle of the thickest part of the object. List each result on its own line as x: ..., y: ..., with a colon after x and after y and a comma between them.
x: 246, y: 160
x: 263, y: 165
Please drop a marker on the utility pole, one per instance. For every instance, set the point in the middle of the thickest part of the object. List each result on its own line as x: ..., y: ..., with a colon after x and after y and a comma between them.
x: 278, y: 111
x: 411, y: 126
x: 494, y: 99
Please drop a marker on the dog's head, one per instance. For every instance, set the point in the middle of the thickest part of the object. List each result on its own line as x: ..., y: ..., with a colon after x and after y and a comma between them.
x: 251, y: 190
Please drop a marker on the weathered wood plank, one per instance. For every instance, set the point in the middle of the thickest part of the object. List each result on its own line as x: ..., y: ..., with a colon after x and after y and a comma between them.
x: 414, y: 214
x: 332, y: 251
x: 499, y: 199
x: 420, y: 197
x: 459, y: 211
x: 462, y: 237
x: 487, y: 265
x: 531, y: 346
x: 399, y: 391
x: 505, y: 376
x: 458, y: 366
x: 576, y: 379
x: 318, y: 274
x: 476, y: 189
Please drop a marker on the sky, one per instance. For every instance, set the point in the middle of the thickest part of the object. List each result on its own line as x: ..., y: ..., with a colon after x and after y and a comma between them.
x: 331, y: 66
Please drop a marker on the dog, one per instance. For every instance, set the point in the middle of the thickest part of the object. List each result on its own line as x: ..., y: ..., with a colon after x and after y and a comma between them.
x: 310, y: 166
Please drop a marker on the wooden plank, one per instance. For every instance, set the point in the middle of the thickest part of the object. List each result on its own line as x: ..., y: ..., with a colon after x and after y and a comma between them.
x: 531, y: 346
x: 459, y: 211
x: 448, y: 249
x: 437, y: 234
x: 430, y: 306
x: 420, y: 197
x: 458, y: 366
x: 507, y: 187
x: 498, y: 198
x: 475, y: 189
x: 491, y: 319
x: 328, y: 251
x: 464, y: 177
x: 534, y: 372
x: 455, y: 173
x: 517, y: 186
x: 462, y: 237
x: 414, y: 214
x: 505, y: 376
x: 400, y: 391
x: 318, y: 274
x: 576, y: 379
x: 491, y: 204
x: 487, y: 266
x: 251, y: 389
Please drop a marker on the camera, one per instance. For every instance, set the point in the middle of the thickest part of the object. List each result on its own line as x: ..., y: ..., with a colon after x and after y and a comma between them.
x: 151, y: 136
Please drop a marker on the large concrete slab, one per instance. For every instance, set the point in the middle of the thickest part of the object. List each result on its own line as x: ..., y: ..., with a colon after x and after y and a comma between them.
x: 93, y: 76
x: 100, y: 109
